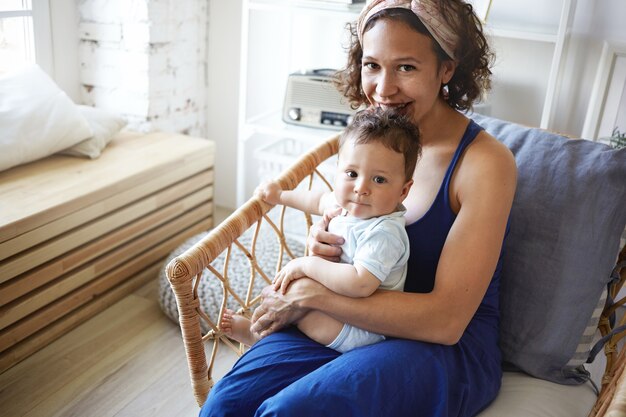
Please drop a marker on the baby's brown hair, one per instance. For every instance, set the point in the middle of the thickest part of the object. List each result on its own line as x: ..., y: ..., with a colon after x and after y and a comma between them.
x: 390, y: 128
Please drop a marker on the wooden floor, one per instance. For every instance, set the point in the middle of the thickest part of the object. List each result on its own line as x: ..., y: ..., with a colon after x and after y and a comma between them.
x: 128, y: 360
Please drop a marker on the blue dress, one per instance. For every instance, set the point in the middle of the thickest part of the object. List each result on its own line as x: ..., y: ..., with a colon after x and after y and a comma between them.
x: 287, y: 374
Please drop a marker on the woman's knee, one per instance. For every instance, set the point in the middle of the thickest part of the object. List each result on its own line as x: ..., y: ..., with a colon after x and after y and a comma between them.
x: 221, y: 406
x: 230, y: 397
x: 280, y: 405
x: 210, y: 407
x: 292, y: 402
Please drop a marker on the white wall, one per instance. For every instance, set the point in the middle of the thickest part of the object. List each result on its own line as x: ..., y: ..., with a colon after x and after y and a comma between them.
x: 223, y: 84
x: 594, y: 22
x: 64, y: 26
x: 520, y: 79
x: 147, y: 63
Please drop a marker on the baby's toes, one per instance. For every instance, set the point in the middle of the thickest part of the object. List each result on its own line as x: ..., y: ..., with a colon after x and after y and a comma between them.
x: 226, y: 323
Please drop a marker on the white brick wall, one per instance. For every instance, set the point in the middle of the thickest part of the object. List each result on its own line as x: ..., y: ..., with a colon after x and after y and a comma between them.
x: 146, y: 60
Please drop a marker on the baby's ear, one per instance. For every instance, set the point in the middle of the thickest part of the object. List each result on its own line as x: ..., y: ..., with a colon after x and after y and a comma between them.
x: 405, y: 189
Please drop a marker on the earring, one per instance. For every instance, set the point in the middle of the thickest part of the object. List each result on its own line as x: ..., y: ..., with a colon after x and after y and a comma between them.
x: 445, y: 91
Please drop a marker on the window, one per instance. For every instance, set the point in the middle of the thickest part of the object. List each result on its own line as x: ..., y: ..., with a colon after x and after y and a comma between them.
x: 25, y: 35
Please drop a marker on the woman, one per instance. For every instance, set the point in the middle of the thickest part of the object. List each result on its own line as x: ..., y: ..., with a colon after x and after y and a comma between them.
x: 427, y: 59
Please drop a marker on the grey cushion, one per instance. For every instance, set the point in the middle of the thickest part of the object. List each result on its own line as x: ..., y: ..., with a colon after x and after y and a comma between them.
x: 567, y: 217
x: 523, y: 396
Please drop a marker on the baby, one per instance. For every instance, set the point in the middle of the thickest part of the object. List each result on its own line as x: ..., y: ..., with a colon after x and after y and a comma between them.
x: 377, y: 155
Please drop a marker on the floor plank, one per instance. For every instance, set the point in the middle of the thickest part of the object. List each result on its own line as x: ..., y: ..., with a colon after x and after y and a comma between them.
x: 139, y: 369
x: 126, y: 361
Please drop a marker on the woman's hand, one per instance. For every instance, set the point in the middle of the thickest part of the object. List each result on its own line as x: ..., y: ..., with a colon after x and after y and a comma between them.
x: 322, y: 243
x: 278, y: 311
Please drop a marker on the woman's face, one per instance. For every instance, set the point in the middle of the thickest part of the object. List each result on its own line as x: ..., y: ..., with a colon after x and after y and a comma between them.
x: 400, y: 69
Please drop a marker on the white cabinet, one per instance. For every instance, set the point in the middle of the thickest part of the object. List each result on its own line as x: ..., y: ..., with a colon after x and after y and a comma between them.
x: 280, y: 37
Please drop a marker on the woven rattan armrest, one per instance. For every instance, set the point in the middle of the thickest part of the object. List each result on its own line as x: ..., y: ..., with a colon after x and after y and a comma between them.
x: 184, y: 274
x: 185, y: 270
x: 612, y: 399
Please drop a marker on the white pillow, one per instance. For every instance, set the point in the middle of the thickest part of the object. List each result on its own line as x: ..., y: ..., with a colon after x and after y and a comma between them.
x: 104, y: 126
x: 36, y: 118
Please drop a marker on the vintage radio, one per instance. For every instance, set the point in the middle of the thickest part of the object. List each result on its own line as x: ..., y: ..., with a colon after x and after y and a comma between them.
x: 312, y: 100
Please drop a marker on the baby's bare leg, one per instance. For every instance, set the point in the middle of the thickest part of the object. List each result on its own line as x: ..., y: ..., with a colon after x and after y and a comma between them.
x: 237, y: 327
x: 320, y: 327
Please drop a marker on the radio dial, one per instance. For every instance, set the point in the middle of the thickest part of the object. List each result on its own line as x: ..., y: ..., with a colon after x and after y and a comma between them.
x: 294, y: 113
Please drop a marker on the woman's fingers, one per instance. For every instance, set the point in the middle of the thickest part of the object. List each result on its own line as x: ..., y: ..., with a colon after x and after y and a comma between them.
x: 277, y: 310
x: 322, y: 243
x: 260, y: 321
x: 264, y: 316
x: 273, y: 327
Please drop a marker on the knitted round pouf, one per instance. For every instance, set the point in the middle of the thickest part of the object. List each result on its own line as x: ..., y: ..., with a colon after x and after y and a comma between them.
x: 210, y: 289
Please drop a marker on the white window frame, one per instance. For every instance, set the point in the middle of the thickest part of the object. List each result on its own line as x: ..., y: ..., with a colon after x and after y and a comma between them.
x: 42, y: 32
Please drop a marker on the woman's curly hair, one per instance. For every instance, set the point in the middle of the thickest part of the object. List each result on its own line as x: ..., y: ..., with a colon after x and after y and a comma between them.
x: 472, y: 76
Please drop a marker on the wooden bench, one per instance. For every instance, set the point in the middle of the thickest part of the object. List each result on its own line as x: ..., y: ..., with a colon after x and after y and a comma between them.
x: 77, y: 235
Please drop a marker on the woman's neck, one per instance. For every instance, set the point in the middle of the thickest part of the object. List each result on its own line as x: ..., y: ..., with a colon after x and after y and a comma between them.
x: 441, y: 124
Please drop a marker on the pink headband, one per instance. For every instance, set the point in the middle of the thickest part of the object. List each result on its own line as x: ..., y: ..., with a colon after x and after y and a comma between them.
x: 425, y: 10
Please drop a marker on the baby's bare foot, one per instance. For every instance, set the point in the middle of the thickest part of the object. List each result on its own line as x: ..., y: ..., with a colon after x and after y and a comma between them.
x: 237, y: 327
x: 227, y: 323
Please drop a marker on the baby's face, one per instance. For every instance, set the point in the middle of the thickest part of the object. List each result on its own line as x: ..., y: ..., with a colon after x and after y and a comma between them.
x: 370, y: 179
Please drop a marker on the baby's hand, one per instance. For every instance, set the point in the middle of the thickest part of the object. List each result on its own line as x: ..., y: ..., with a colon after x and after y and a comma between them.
x: 290, y: 272
x: 330, y: 213
x: 269, y: 191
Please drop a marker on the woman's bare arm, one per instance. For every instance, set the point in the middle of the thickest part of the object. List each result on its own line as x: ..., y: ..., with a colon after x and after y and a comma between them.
x: 485, y: 193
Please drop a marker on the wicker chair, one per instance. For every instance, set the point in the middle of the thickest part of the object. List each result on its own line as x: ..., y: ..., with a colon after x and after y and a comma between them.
x: 184, y: 274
